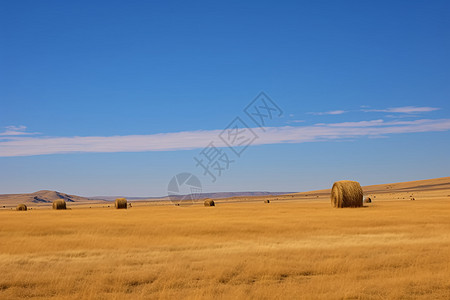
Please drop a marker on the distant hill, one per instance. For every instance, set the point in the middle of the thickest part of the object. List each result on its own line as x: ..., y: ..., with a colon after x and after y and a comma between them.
x: 45, y: 198
x: 217, y: 195
x: 408, y: 186
x: 40, y: 197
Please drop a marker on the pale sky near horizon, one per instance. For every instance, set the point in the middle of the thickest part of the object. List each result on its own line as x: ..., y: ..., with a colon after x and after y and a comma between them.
x: 113, y: 98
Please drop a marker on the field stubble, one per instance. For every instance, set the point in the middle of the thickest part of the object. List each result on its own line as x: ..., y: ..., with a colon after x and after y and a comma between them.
x: 392, y: 249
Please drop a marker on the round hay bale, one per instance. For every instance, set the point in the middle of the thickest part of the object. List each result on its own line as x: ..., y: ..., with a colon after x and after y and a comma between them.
x: 121, y: 203
x: 209, y: 202
x: 59, y: 204
x: 346, y: 193
x: 21, y: 207
x: 267, y: 201
x: 368, y: 200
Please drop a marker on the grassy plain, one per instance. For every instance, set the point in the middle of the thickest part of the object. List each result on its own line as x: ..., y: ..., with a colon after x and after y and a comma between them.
x: 391, y: 249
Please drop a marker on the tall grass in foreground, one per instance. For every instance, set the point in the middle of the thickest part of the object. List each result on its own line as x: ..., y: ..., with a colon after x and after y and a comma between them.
x: 394, y: 249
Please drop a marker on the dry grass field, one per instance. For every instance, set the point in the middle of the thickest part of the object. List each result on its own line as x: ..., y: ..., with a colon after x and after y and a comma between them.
x: 304, y: 249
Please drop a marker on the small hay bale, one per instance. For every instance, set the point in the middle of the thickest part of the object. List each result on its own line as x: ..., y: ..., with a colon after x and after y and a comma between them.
x: 368, y: 200
x: 121, y: 203
x: 267, y: 201
x: 59, y: 204
x: 346, y: 193
x: 209, y: 202
x: 21, y: 207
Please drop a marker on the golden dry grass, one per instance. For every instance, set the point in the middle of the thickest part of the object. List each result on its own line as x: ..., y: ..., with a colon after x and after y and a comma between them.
x: 393, y: 249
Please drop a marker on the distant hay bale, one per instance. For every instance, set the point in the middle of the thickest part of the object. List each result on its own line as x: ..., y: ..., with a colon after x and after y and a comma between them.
x: 21, y: 207
x: 59, y: 204
x: 209, y: 202
x: 346, y: 193
x: 267, y: 201
x: 121, y: 203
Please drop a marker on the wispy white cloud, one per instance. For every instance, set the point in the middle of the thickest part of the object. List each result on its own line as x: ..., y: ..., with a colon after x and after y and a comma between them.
x: 296, y: 121
x: 397, y: 111
x: 372, y: 123
x: 332, y: 112
x: 404, y: 109
x: 353, y: 124
x: 27, y: 146
x: 16, y: 131
x: 402, y: 116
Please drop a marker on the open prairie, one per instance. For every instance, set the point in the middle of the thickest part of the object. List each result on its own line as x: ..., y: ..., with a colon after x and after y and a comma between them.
x: 391, y: 248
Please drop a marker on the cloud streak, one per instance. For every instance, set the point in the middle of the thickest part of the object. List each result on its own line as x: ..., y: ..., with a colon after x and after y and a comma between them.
x: 188, y: 140
x: 16, y: 131
x: 379, y: 122
x: 332, y: 112
x: 394, y: 110
x: 404, y: 109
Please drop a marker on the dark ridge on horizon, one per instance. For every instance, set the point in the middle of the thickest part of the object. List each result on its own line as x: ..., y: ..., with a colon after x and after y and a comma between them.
x: 216, y: 195
x: 46, y: 197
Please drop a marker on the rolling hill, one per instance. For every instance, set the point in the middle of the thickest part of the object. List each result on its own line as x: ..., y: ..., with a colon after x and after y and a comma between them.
x: 389, y: 191
x: 43, y: 197
x: 435, y: 184
x: 199, y: 196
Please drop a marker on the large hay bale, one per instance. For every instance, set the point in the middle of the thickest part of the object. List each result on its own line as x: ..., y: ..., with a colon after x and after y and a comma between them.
x: 21, y: 207
x: 209, y: 202
x: 267, y: 201
x: 59, y: 204
x: 346, y: 193
x: 121, y: 203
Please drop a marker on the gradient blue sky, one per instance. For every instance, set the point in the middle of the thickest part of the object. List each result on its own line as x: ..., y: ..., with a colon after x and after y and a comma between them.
x: 118, y: 69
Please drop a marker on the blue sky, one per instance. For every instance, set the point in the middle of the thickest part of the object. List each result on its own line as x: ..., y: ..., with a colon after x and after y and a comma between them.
x: 89, y: 91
